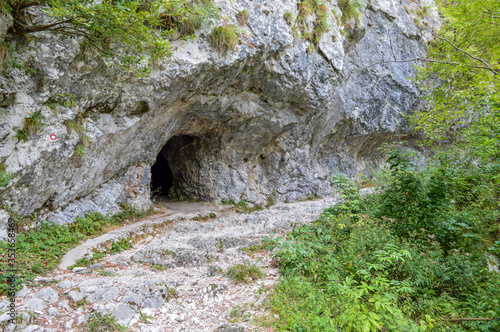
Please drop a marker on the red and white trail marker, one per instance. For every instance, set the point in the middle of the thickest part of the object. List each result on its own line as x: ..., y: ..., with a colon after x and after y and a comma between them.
x: 53, y: 137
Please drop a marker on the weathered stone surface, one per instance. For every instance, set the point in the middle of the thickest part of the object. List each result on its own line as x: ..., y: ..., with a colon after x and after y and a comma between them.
x: 75, y: 296
x: 65, y: 284
x: 104, y: 295
x: 65, y: 305
x: 122, y: 312
x: 270, y: 118
x: 5, y: 23
x: 4, y: 225
x: 48, y: 294
x: 53, y: 312
x: 36, y: 304
x: 33, y: 328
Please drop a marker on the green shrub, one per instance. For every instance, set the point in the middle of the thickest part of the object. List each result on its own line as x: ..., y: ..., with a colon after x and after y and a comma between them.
x: 404, y: 259
x: 5, y: 176
x: 31, y: 125
x: 307, y: 8
x: 157, y: 267
x: 78, y: 127
x: 185, y: 17
x: 242, y: 206
x: 350, y: 10
x: 243, y: 273
x: 62, y: 99
x: 133, y: 34
x: 224, y: 38
x: 288, y: 17
x: 103, y: 323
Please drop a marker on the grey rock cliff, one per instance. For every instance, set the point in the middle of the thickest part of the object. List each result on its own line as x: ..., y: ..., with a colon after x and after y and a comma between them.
x: 271, y: 118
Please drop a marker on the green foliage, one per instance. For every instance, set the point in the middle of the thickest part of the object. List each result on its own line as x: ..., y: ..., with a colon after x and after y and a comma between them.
x: 31, y: 125
x: 244, y: 273
x: 242, y: 206
x: 463, y: 84
x: 242, y: 17
x: 62, y: 99
x: 307, y: 8
x: 201, y: 217
x: 4, y: 7
x: 80, y: 151
x: 157, y: 267
x: 288, y: 17
x: 414, y: 256
x: 271, y: 199
x: 120, y: 245
x: 39, y: 250
x: 422, y: 11
x: 350, y: 10
x: 145, y: 317
x: 224, y: 38
x: 172, y: 293
x: 5, y: 176
x: 183, y: 18
x: 131, y: 34
x: 78, y: 127
x: 403, y: 259
x: 312, y: 197
x: 462, y: 77
x: 103, y: 323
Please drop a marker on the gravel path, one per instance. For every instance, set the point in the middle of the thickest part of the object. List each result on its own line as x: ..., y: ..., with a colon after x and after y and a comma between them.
x: 173, y: 279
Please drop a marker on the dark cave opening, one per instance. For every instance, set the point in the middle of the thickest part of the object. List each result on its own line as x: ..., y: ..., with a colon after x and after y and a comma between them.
x: 167, y: 170
x: 162, y: 178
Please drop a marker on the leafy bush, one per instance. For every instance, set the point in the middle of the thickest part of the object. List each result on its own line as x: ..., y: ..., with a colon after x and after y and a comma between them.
x: 185, y: 17
x: 103, y: 323
x: 242, y: 273
x: 242, y: 205
x: 404, y: 259
x: 5, y: 176
x: 307, y: 8
x: 31, y: 125
x: 350, y: 10
x: 414, y: 256
x: 288, y: 17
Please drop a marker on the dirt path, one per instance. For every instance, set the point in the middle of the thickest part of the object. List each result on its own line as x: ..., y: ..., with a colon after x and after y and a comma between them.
x: 174, y: 278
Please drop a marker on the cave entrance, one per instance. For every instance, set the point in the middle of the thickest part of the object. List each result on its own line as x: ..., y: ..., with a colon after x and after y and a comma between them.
x: 166, y: 172
x: 162, y: 178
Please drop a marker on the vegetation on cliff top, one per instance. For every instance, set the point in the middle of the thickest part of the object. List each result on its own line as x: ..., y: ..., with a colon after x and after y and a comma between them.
x: 132, y: 34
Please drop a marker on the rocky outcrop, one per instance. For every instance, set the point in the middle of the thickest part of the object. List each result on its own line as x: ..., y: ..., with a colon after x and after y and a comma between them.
x: 271, y: 118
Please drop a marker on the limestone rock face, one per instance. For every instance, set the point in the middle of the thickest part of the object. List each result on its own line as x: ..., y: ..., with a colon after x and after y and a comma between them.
x: 271, y: 118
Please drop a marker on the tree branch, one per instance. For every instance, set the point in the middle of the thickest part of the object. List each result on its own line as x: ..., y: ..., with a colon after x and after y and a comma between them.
x: 433, y: 61
x: 488, y: 67
x: 45, y: 27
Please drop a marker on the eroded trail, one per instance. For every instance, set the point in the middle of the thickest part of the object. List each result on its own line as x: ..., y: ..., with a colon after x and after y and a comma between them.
x: 174, y: 278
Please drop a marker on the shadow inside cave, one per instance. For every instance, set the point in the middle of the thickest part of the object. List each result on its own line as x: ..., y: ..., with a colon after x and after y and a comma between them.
x: 168, y: 167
